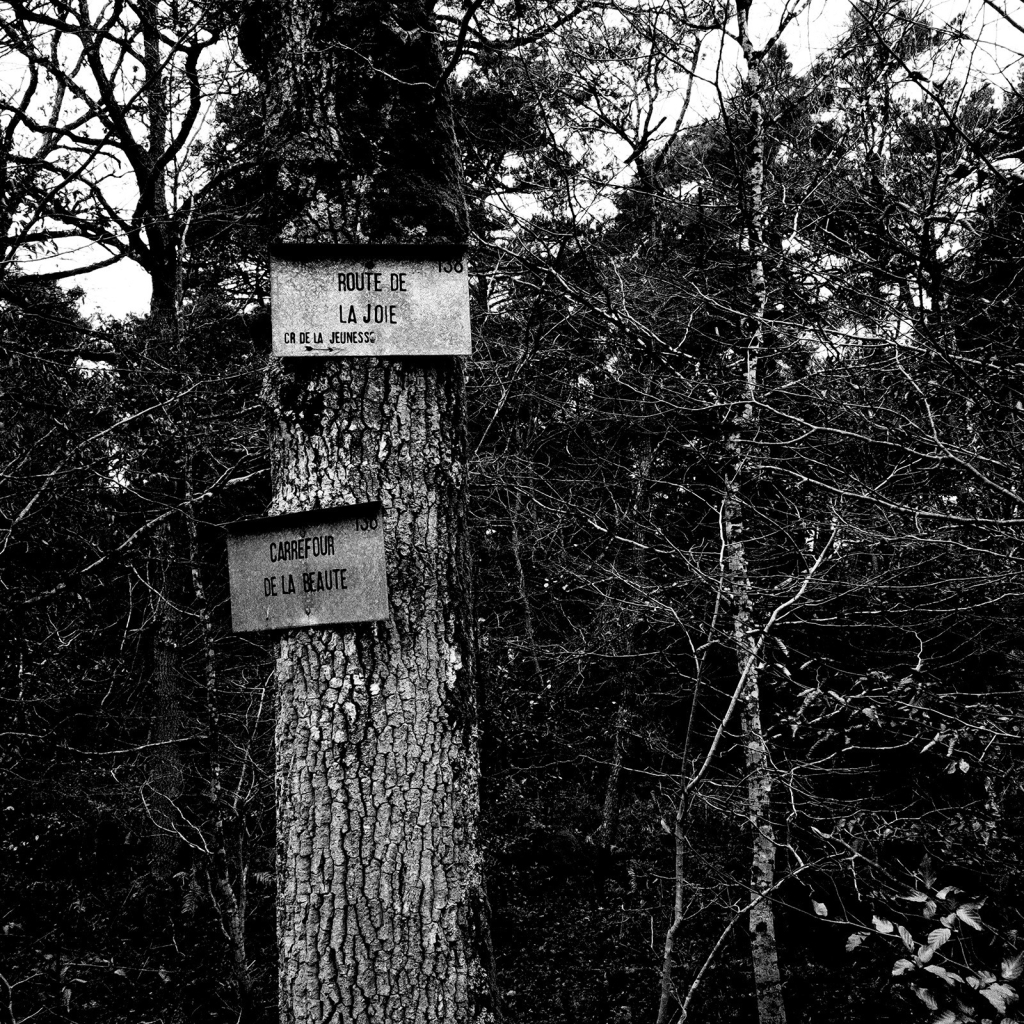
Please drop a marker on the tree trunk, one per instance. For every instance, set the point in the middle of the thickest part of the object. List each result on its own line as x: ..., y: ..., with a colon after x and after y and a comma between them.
x: 764, y: 952
x: 514, y: 515
x: 166, y: 774
x: 669, y: 995
x: 170, y: 545
x: 626, y: 621
x: 763, y: 949
x: 380, y: 898
x: 379, y: 872
x: 170, y: 635
x: 608, y: 830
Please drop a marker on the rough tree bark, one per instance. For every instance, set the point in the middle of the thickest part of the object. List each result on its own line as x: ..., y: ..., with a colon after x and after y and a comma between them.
x: 380, y: 895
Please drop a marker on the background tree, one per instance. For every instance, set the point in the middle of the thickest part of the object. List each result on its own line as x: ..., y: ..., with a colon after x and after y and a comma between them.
x: 115, y: 95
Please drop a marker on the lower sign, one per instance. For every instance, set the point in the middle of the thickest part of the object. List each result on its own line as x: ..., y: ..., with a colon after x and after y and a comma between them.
x: 308, y: 569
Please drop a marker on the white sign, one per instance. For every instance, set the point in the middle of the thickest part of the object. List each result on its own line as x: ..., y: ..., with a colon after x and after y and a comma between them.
x: 308, y: 569
x: 349, y: 300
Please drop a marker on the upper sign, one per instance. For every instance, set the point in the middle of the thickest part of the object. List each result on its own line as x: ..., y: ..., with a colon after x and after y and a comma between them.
x: 369, y: 300
x: 308, y: 569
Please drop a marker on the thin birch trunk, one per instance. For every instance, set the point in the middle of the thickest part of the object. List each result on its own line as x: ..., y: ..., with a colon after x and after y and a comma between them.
x: 764, y: 951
